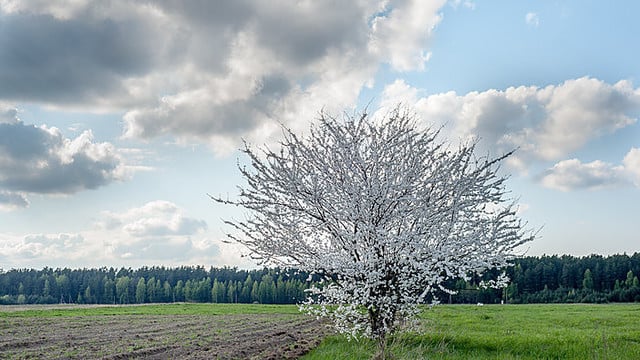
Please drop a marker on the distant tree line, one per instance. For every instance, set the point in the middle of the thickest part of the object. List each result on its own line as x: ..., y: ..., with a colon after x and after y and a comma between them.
x: 546, y: 279
x: 558, y: 279
x: 152, y: 285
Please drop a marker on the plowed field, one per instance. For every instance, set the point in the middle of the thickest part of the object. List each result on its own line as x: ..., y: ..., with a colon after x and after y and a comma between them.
x: 230, y: 336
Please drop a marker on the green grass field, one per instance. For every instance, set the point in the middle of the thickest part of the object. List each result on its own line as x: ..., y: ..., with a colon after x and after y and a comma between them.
x: 508, y: 332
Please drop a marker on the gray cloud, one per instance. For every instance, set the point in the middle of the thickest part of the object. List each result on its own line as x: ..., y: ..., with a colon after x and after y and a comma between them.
x: 192, y: 117
x: 310, y: 31
x: 12, y: 201
x: 259, y: 59
x: 41, y: 160
x: 297, y: 33
x: 220, y: 15
x: 8, y: 114
x: 65, y: 61
x: 205, y: 71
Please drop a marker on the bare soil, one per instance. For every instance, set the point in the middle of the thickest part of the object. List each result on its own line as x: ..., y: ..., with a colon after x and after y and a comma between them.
x: 263, y: 336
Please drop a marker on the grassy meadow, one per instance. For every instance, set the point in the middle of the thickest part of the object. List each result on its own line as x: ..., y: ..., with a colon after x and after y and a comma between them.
x: 550, y: 331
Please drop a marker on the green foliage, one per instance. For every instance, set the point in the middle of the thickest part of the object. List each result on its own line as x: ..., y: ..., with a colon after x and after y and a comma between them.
x: 141, y: 291
x: 122, y: 289
x: 151, y: 285
x: 558, y: 279
x: 508, y: 332
x: 587, y: 282
x: 629, y: 281
x: 546, y: 279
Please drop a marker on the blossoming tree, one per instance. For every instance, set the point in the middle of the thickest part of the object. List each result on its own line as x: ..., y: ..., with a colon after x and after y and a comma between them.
x: 379, y: 207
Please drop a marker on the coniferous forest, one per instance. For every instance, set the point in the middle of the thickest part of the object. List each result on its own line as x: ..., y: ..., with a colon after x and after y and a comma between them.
x: 546, y: 279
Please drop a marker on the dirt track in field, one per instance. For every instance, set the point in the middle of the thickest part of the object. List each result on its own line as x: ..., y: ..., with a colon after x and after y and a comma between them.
x: 272, y: 336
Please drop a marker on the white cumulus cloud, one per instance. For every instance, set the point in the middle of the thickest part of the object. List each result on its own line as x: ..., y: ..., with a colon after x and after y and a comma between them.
x: 54, y: 249
x: 156, y: 232
x: 544, y: 123
x: 154, y: 219
x: 399, y: 33
x: 631, y: 164
x: 573, y: 174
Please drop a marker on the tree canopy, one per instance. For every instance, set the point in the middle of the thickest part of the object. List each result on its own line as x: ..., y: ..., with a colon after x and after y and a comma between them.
x: 382, y: 208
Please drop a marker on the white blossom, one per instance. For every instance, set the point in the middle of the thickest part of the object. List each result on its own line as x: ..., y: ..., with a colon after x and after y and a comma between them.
x: 381, y: 209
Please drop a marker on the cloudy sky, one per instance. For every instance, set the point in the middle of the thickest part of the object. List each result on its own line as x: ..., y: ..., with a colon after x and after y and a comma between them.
x: 118, y: 117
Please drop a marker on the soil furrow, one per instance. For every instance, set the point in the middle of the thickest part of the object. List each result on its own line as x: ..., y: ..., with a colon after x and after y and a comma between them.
x: 195, y: 337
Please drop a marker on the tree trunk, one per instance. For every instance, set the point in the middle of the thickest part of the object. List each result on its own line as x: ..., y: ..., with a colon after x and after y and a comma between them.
x: 378, y: 332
